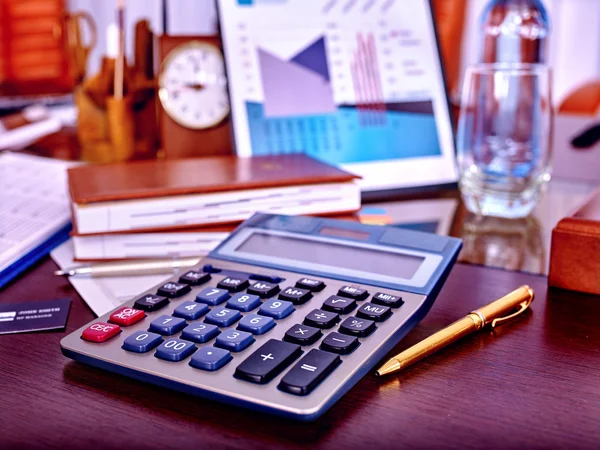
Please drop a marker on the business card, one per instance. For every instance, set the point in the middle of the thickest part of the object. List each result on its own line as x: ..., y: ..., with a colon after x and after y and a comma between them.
x: 34, y: 316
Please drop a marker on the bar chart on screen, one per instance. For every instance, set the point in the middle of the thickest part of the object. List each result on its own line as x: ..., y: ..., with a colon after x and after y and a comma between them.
x: 333, y: 78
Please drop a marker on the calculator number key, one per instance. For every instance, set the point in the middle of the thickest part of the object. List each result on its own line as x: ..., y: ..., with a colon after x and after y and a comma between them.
x: 200, y: 332
x: 310, y: 284
x: 339, y: 343
x: 141, y: 342
x: 126, y: 316
x: 263, y: 290
x: 295, y: 295
x: 268, y: 361
x: 256, y: 324
x: 353, y: 292
x: 311, y: 370
x: 243, y: 302
x: 302, y: 335
x: 373, y: 312
x: 167, y: 325
x: 100, y: 332
x: 234, y: 340
x: 233, y: 284
x: 277, y: 309
x: 175, y: 350
x: 321, y: 319
x: 191, y: 310
x: 223, y: 317
x: 210, y: 358
x: 173, y: 290
x: 355, y: 326
x: 194, y: 278
x: 339, y: 305
x: 212, y: 296
x: 383, y: 299
x: 151, y: 303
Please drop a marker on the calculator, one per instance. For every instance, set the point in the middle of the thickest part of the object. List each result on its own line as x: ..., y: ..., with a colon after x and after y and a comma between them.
x: 284, y: 316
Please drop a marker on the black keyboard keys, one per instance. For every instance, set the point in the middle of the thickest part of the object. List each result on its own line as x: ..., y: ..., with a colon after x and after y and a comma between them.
x: 233, y: 284
x: 309, y: 372
x: 383, y: 299
x: 353, y: 293
x: 321, y: 319
x: 339, y: 305
x: 355, y: 326
x: 268, y: 361
x: 377, y: 313
x: 194, y: 278
x: 150, y: 303
x: 310, y: 284
x: 263, y: 289
x: 339, y: 343
x: 173, y: 290
x: 302, y: 335
x: 295, y: 295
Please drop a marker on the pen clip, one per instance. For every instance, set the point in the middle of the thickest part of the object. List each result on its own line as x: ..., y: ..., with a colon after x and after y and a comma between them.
x: 522, y: 307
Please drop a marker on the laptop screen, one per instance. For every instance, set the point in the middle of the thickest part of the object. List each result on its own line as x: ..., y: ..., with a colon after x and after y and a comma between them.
x: 355, y: 83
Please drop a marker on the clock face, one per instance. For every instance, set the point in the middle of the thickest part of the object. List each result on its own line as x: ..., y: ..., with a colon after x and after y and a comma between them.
x: 193, y: 87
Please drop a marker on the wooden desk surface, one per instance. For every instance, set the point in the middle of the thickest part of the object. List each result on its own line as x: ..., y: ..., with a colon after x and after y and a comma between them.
x: 531, y: 383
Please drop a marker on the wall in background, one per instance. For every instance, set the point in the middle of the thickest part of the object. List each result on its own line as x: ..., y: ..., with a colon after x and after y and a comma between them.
x: 184, y: 17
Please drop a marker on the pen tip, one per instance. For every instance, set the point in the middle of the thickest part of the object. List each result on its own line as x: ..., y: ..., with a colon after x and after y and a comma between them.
x: 62, y: 273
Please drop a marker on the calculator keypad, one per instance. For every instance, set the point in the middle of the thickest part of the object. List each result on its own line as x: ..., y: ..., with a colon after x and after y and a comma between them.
x: 252, y: 310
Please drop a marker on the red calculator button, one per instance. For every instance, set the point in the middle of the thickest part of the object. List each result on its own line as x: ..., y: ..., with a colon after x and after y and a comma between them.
x: 100, y: 332
x: 126, y: 316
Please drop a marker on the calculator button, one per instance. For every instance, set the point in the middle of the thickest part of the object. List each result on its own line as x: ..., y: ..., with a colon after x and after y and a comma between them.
x: 353, y: 292
x: 295, y: 295
x: 234, y: 340
x: 100, y: 332
x: 200, y: 332
x: 167, y: 325
x: 321, y: 319
x: 268, y: 278
x: 210, y: 358
x: 191, y: 310
x: 377, y: 313
x: 302, y: 334
x: 126, y: 316
x: 277, y: 309
x: 256, y: 324
x: 383, y: 299
x: 141, y: 342
x: 212, y: 296
x: 151, y: 303
x: 310, y: 284
x: 306, y: 375
x: 209, y: 268
x: 339, y: 305
x: 233, y: 284
x: 173, y: 290
x: 354, y: 326
x: 175, y: 350
x: 243, y: 302
x: 339, y: 343
x: 194, y: 278
x: 263, y: 290
x: 268, y: 361
x: 223, y: 317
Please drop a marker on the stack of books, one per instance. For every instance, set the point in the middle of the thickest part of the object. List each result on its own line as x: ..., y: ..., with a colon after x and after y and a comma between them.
x: 182, y: 208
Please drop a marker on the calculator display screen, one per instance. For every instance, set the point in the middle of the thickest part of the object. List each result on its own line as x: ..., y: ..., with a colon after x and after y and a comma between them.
x: 332, y: 254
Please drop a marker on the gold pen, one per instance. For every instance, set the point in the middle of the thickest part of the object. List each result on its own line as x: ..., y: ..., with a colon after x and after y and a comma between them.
x: 499, y: 311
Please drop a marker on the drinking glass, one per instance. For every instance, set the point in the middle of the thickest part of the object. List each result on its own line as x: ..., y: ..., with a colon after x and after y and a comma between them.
x: 504, y: 139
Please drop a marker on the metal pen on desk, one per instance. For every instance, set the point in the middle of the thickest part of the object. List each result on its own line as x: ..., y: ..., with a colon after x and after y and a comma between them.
x: 121, y: 269
x: 496, y: 312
